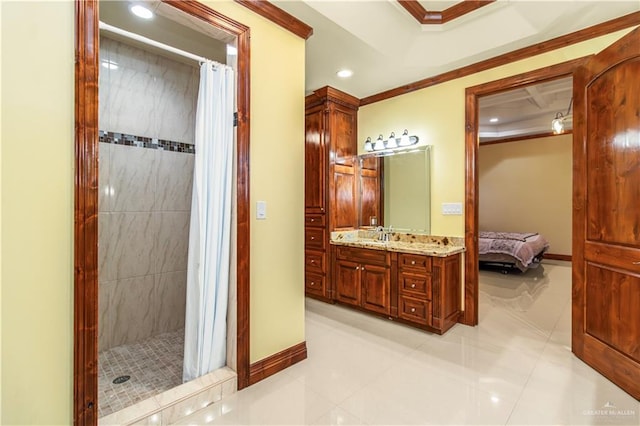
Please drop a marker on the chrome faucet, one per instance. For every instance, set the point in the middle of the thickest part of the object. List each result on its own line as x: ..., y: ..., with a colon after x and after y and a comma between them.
x: 382, y: 234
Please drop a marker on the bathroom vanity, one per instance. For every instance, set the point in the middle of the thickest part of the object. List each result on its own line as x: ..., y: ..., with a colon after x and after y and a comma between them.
x: 410, y: 279
x: 413, y: 278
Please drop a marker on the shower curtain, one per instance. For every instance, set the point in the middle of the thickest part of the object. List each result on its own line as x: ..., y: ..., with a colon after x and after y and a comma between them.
x: 210, y: 227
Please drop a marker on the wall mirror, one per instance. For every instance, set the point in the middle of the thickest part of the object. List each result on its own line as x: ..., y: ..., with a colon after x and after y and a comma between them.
x: 404, y: 188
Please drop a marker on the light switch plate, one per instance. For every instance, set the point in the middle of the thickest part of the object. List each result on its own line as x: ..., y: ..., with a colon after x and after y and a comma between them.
x: 452, y: 208
x: 261, y: 210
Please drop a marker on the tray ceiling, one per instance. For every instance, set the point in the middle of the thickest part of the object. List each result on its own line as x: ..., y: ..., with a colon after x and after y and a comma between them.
x: 386, y: 47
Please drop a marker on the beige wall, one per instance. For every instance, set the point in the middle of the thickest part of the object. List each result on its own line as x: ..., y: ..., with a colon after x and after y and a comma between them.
x: 37, y: 183
x: 436, y: 115
x: 277, y: 177
x: 37, y: 201
x: 525, y: 186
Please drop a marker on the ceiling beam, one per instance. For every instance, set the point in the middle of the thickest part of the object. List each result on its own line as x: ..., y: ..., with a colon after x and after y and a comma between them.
x: 537, y: 97
x: 429, y: 17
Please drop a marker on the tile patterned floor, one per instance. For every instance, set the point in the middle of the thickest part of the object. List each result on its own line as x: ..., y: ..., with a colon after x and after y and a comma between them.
x: 155, y: 365
x: 515, y: 367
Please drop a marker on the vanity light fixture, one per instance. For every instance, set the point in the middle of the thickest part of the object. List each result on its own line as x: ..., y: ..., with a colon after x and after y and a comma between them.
x: 392, y: 144
x: 141, y: 11
x: 557, y: 124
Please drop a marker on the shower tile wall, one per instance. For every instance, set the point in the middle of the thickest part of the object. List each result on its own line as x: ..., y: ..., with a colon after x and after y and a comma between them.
x: 145, y: 194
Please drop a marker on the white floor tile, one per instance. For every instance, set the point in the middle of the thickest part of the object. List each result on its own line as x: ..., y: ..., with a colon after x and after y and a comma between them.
x: 515, y: 367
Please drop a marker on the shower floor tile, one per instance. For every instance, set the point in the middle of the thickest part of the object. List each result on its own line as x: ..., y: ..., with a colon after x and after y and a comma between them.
x: 154, y: 366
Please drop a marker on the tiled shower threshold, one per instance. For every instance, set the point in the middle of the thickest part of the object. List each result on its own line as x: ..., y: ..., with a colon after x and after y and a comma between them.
x: 169, y: 406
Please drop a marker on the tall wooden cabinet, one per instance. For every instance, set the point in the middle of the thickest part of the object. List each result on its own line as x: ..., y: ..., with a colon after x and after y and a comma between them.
x: 331, y: 184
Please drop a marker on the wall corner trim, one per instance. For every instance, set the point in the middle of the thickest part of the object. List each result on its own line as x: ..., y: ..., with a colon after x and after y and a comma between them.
x: 278, y: 16
x: 277, y: 362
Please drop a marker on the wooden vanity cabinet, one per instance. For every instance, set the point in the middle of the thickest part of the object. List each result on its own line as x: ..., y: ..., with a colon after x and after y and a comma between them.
x: 429, y: 290
x: 414, y: 288
x: 363, y: 278
x: 419, y: 290
x: 330, y: 181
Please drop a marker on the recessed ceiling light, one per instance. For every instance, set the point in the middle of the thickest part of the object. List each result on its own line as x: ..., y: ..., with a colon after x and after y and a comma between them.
x: 493, y: 120
x: 141, y: 11
x: 344, y: 73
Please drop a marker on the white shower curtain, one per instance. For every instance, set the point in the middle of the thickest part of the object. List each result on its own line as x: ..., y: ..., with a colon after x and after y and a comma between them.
x: 210, y: 228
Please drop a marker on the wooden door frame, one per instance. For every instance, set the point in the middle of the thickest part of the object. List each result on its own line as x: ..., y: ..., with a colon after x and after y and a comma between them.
x: 470, y: 316
x: 85, y: 327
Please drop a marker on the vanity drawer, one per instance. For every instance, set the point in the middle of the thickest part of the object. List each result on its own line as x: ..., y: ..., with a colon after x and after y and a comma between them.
x: 417, y: 284
x: 415, y: 310
x: 376, y: 257
x: 314, y: 238
x: 316, y: 220
x: 314, y: 261
x: 314, y: 283
x: 414, y: 261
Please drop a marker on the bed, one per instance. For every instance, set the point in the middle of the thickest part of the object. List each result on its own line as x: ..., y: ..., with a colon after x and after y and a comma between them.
x: 509, y: 250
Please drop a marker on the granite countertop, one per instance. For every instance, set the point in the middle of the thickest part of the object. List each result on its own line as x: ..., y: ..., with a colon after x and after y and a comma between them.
x: 400, y: 242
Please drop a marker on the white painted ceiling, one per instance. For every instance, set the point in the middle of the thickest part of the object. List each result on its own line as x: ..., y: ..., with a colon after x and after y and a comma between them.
x: 387, y: 48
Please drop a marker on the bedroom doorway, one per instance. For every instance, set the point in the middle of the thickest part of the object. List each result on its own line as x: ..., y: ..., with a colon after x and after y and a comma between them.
x: 504, y: 89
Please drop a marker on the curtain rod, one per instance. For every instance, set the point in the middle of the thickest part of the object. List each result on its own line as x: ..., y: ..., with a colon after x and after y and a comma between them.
x: 145, y: 40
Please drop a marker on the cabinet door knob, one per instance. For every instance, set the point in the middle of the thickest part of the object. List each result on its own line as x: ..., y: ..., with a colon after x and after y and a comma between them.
x: 413, y: 286
x: 313, y: 261
x: 313, y: 220
x: 357, y: 268
x: 413, y: 262
x: 313, y: 283
x: 413, y: 309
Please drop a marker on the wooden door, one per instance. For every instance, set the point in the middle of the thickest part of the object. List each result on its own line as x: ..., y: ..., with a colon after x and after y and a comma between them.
x: 315, y: 160
x: 606, y: 222
x: 347, y: 284
x: 375, y: 288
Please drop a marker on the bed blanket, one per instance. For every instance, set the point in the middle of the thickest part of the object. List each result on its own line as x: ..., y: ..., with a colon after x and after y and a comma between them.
x: 524, y: 247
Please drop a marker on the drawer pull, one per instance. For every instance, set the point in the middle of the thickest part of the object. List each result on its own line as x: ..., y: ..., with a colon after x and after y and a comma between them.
x: 636, y: 263
x: 413, y: 286
x: 413, y: 309
x: 413, y: 262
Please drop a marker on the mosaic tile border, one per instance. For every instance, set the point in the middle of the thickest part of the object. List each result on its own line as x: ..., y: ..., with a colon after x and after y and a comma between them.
x: 118, y: 138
